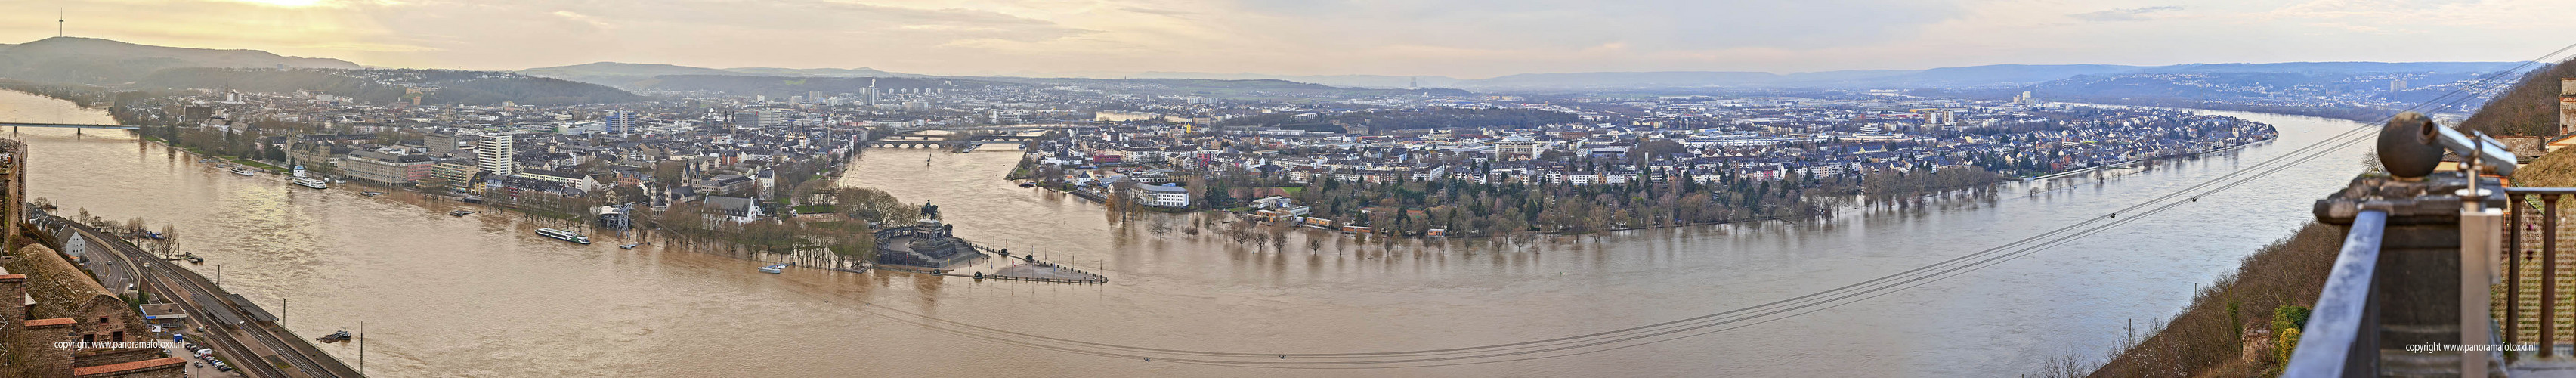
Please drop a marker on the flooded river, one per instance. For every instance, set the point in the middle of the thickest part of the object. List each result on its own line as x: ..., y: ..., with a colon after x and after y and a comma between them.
x: 482, y: 296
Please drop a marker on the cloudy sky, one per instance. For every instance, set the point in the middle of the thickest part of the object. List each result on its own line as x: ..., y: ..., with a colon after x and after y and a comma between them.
x: 1460, y: 38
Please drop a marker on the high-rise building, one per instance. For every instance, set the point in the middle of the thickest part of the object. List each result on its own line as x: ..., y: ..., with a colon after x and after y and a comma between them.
x: 620, y: 122
x: 493, y: 152
x: 772, y: 117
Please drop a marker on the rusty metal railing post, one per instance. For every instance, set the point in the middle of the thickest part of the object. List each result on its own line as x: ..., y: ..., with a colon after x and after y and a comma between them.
x: 2513, y: 271
x: 2548, y: 275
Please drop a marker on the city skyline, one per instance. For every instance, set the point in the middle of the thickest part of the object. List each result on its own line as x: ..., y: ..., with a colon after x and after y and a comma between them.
x: 1425, y: 38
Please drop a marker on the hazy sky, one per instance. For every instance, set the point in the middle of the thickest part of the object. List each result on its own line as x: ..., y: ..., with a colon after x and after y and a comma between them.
x: 1461, y: 38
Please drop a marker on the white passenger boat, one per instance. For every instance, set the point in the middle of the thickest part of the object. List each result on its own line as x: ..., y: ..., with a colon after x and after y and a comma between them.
x: 563, y: 235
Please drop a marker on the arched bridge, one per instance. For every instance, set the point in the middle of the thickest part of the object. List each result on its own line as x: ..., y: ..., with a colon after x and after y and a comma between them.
x: 66, y: 125
x: 954, y: 145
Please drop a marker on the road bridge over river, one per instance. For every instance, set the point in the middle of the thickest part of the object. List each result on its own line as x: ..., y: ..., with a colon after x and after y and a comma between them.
x: 66, y: 125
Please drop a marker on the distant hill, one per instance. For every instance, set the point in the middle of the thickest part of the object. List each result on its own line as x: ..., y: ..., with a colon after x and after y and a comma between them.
x: 625, y: 69
x: 1971, y: 76
x: 630, y: 75
x: 1237, y: 89
x: 2333, y: 67
x: 1670, y: 79
x: 99, y: 61
x: 2530, y: 108
x: 780, y: 86
x: 622, y: 75
x: 1356, y: 81
x: 821, y: 72
x: 1938, y: 77
x: 387, y: 86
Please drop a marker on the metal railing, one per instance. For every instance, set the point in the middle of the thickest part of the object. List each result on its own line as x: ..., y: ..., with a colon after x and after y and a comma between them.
x: 2439, y: 234
x: 2341, y: 339
x: 2547, y: 256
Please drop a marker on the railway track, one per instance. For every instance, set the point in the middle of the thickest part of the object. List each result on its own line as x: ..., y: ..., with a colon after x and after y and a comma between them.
x: 225, y: 320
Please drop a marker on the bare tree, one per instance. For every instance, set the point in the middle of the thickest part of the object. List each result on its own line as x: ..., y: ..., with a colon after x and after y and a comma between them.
x: 1161, y: 226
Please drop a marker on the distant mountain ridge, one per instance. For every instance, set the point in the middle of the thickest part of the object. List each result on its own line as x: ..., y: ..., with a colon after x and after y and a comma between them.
x: 628, y: 75
x: 639, y: 75
x: 1970, y: 76
x: 101, y: 61
x: 73, y: 60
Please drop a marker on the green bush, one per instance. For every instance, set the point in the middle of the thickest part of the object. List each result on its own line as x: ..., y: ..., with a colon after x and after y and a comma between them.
x: 2289, y: 317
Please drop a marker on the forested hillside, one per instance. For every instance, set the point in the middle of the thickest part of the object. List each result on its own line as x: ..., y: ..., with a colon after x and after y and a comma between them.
x: 443, y: 86
x: 2530, y: 108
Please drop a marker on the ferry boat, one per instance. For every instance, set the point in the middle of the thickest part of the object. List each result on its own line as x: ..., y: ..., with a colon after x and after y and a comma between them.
x: 460, y: 213
x: 563, y: 235
x: 308, y: 181
x: 312, y: 183
x: 774, y: 269
x: 245, y: 171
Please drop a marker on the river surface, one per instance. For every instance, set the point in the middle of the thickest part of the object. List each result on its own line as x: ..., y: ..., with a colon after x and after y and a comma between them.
x: 482, y: 296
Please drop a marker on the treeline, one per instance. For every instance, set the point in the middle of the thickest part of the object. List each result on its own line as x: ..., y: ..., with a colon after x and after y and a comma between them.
x: 2270, y: 293
x: 85, y: 69
x: 84, y: 96
x: 442, y: 86
x: 2530, y: 108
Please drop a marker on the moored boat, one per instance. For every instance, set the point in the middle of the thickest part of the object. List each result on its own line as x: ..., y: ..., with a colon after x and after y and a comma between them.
x: 563, y: 235
x: 245, y: 171
x: 308, y: 181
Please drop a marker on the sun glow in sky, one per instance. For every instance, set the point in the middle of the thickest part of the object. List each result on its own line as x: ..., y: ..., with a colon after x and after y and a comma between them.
x: 1459, y: 38
x: 284, y: 3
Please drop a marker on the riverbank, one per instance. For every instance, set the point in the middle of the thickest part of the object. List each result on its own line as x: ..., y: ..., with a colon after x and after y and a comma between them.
x: 404, y: 271
x: 2228, y: 330
x: 272, y: 168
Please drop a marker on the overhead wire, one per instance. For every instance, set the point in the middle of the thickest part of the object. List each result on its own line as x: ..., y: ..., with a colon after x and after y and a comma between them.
x: 1764, y: 313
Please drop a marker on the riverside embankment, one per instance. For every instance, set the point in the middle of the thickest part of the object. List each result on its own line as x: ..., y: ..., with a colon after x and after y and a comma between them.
x: 481, y: 296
